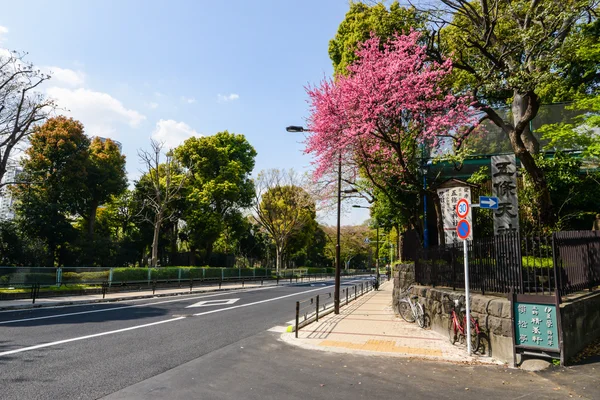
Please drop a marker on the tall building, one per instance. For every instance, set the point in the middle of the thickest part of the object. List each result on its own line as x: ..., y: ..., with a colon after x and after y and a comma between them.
x: 119, y: 145
x: 13, y: 169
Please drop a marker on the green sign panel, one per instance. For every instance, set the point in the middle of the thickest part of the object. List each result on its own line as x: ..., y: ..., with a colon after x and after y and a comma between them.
x: 536, y: 325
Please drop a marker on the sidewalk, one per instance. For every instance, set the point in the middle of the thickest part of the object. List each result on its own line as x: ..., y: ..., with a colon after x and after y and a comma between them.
x: 112, y: 297
x: 370, y: 326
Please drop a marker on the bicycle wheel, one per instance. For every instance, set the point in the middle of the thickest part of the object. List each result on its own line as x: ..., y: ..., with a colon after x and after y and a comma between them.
x: 451, y: 331
x: 420, y: 315
x: 405, y: 311
x: 475, y: 339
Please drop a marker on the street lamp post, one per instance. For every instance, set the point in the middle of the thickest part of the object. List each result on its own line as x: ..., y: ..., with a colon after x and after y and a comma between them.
x: 336, y: 290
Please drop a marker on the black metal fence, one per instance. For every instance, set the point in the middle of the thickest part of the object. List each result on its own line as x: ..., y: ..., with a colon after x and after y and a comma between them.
x: 566, y: 262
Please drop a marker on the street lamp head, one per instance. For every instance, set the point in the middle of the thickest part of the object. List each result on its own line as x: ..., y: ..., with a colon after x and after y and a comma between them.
x: 294, y: 128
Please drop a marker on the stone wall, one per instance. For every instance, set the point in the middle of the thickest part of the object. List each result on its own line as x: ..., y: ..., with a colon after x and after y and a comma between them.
x: 580, y: 320
x: 493, y: 313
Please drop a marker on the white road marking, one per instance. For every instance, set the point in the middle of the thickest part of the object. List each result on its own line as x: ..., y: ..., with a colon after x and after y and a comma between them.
x: 208, y: 303
x: 40, y: 346
x: 126, y: 307
x: 254, y: 303
x: 278, y: 329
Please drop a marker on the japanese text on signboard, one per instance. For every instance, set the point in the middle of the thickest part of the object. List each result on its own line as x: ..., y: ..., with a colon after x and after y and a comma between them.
x: 536, y: 325
x: 504, y: 186
x: 448, y: 199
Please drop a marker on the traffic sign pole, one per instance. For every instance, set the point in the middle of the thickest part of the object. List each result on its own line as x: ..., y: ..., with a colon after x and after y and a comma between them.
x: 463, y: 230
x: 467, y: 295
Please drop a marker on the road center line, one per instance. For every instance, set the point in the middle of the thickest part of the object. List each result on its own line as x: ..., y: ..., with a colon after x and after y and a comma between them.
x: 126, y: 307
x: 39, y: 346
x: 140, y: 305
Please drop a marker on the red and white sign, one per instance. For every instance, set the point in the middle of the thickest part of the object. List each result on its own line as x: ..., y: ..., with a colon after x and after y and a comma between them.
x: 462, y: 208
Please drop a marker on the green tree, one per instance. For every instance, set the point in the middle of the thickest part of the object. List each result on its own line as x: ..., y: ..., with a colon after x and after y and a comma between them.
x: 511, y: 53
x: 106, y: 177
x: 219, y: 185
x: 361, y: 21
x: 581, y: 134
x: 52, y: 184
x: 282, y: 208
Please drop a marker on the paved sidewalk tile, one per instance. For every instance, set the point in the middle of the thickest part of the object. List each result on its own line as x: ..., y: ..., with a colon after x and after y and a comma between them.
x: 369, y: 325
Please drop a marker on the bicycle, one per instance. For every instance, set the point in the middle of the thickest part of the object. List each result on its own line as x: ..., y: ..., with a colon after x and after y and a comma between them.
x: 457, y: 326
x: 410, y: 310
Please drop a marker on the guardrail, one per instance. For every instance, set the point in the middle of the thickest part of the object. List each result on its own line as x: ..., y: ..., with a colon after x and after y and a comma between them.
x: 322, y: 304
x: 35, y: 290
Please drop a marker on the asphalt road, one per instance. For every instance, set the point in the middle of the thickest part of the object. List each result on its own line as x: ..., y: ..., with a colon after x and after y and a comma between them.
x: 264, y: 368
x: 86, y: 352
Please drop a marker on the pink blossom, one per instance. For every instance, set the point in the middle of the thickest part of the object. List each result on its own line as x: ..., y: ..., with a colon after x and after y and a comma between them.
x: 392, y: 101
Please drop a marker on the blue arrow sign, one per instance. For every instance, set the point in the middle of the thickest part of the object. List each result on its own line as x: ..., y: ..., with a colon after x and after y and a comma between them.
x: 488, y: 202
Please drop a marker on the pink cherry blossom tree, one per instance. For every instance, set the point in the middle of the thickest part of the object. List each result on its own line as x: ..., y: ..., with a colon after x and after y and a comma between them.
x: 393, y: 101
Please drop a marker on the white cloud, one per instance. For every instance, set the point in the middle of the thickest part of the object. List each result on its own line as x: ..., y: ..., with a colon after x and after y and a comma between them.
x: 152, y: 105
x: 172, y: 133
x: 96, y: 110
x: 3, y: 31
x: 65, y: 77
x: 228, y: 97
x: 188, y: 100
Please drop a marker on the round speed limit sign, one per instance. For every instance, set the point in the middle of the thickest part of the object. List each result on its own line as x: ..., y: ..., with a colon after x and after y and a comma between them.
x: 462, y: 208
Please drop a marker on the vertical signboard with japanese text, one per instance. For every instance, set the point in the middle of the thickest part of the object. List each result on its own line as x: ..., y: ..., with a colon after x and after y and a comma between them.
x: 449, y: 197
x: 504, y: 187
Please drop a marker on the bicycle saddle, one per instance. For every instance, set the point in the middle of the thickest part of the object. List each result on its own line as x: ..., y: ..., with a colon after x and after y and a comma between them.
x: 414, y: 297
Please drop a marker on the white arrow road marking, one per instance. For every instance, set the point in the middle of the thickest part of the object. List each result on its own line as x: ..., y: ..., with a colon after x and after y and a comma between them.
x: 40, y: 346
x: 208, y: 303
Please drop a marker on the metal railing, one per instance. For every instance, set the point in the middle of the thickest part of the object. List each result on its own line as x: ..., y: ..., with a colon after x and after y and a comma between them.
x: 311, y: 309
x: 35, y: 290
x: 565, y: 262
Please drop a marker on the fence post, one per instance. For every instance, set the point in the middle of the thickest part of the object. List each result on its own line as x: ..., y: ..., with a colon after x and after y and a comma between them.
x: 317, y: 312
x: 203, y: 273
x: 149, y: 274
x: 179, y: 276
x: 346, y: 295
x: 110, y: 277
x: 297, y: 317
x: 557, y: 287
x: 58, y: 276
x: 191, y: 284
x: 222, y: 275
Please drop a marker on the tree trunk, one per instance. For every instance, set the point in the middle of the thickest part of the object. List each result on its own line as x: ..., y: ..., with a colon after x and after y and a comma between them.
x: 399, y: 243
x: 538, y: 178
x: 519, y: 107
x: 157, y: 223
x: 279, y: 258
x: 91, y: 222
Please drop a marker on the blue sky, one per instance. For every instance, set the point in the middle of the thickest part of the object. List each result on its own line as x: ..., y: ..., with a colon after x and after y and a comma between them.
x: 132, y: 69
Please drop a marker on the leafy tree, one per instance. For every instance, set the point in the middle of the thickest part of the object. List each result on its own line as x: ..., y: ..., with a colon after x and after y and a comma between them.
x: 282, y: 207
x: 353, y: 247
x: 106, y: 177
x: 581, y: 134
x: 392, y: 103
x: 361, y: 21
x: 53, y: 184
x: 21, y: 107
x: 219, y: 185
x: 512, y: 52
x: 158, y: 189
